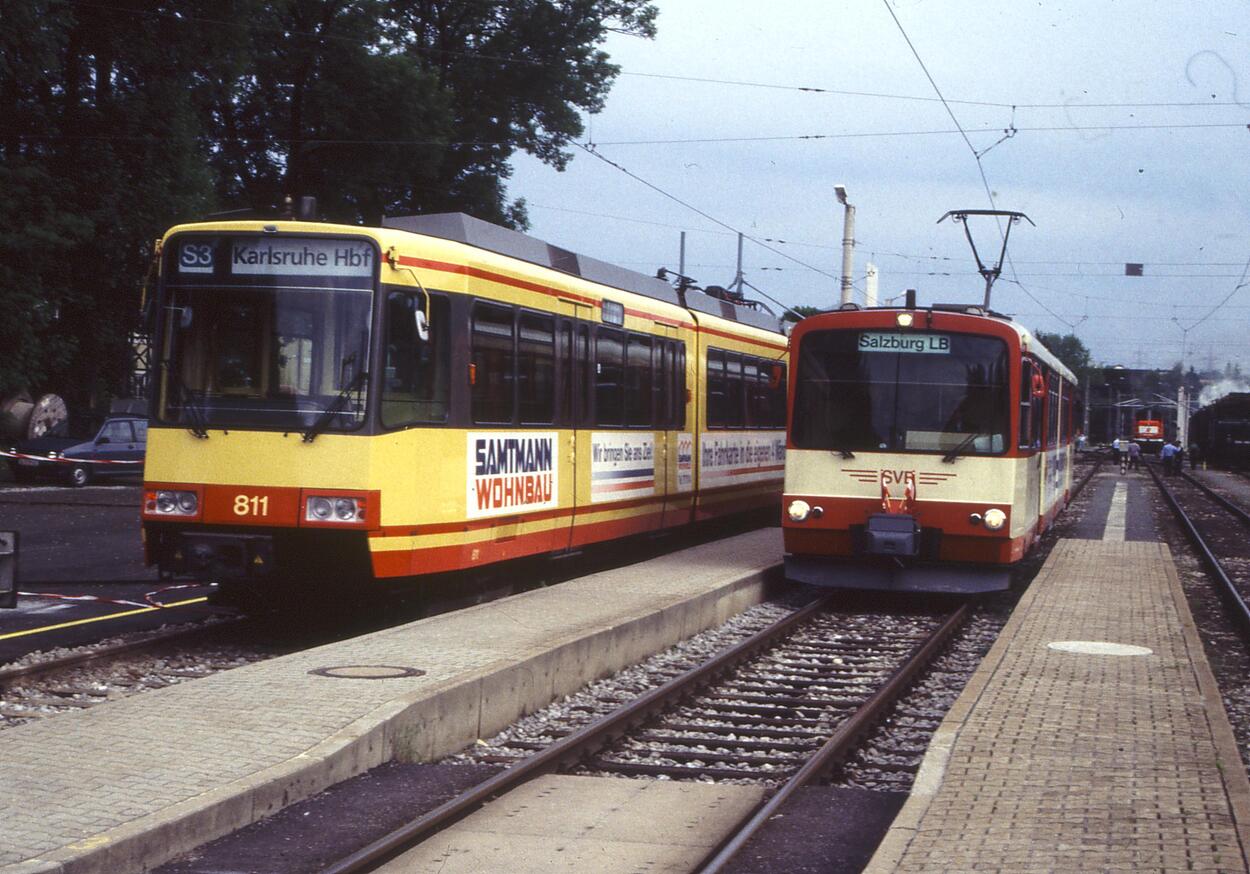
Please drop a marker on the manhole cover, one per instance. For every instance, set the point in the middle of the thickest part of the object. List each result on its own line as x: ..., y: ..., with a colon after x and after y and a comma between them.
x: 367, y: 672
x: 1099, y: 647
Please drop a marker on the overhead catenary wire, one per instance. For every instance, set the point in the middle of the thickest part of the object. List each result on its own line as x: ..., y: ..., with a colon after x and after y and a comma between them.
x: 589, y: 148
x: 242, y: 24
x: 976, y: 156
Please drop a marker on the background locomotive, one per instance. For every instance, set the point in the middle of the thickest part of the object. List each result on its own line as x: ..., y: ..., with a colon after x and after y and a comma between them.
x: 1220, y: 432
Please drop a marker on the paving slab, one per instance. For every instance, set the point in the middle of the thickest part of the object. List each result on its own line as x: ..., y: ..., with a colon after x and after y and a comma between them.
x: 1092, y: 737
x: 580, y: 824
x: 129, y: 784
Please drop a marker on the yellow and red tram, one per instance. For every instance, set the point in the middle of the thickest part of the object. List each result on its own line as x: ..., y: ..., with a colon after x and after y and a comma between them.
x: 927, y: 450
x: 438, y: 394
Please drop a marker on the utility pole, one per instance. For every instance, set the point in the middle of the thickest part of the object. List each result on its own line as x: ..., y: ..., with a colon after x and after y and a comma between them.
x: 870, y: 285
x: 738, y: 278
x: 848, y: 242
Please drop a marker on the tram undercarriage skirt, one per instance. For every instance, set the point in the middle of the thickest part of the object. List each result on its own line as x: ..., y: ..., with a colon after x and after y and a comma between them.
x: 887, y: 576
x: 222, y: 556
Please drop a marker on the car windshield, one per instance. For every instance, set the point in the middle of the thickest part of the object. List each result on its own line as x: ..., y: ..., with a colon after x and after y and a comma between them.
x: 863, y: 390
x: 272, y: 349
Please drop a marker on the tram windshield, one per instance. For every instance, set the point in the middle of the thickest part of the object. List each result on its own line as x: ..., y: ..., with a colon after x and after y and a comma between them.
x: 269, y: 346
x: 866, y: 390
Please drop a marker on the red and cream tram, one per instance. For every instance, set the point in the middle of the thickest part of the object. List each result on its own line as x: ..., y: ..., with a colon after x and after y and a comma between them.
x: 927, y: 449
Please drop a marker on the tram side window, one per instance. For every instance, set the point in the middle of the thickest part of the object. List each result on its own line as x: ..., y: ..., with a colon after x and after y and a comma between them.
x: 766, y: 392
x: 662, y: 386
x: 493, y: 360
x: 735, y: 407
x: 585, y: 382
x: 416, y: 383
x: 609, y: 377
x: 1032, y: 405
x: 679, y: 386
x: 754, y: 387
x: 1026, y: 404
x: 740, y: 393
x: 568, y: 370
x: 671, y: 386
x: 773, y: 394
x: 638, y: 380
x: 536, y: 368
x: 717, y: 389
x: 1053, y: 421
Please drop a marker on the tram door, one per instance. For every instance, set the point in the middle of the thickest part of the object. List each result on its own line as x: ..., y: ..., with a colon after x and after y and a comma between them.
x: 677, y: 431
x: 576, y: 392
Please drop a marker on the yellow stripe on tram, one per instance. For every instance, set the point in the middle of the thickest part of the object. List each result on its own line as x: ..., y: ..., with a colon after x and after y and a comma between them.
x: 44, y: 628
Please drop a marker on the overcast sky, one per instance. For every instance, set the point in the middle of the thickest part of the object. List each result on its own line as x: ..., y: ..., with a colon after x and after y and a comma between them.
x: 1164, y: 185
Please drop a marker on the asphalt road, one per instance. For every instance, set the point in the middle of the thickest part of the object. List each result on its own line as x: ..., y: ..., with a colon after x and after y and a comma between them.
x: 75, y: 543
x: 85, y: 535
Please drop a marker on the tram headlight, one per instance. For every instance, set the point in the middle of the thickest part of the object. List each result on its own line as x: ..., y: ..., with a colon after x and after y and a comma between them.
x: 798, y: 511
x: 168, y: 502
x: 335, y: 509
x: 994, y: 518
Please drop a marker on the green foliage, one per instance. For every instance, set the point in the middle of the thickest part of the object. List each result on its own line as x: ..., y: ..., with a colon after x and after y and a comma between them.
x: 802, y: 311
x: 118, y: 119
x: 1069, y: 349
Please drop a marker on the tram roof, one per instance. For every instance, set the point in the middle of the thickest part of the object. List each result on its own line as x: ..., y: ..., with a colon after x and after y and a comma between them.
x: 466, y: 229
x: 1027, y: 339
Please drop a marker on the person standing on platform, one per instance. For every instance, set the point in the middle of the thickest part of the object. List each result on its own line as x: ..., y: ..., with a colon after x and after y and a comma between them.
x: 1115, y: 450
x: 1134, y: 454
x: 1168, y: 456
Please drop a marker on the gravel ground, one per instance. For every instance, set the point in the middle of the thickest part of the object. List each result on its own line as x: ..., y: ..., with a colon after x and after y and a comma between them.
x: 889, y: 756
x: 601, y: 697
x: 85, y: 685
x: 1226, y: 648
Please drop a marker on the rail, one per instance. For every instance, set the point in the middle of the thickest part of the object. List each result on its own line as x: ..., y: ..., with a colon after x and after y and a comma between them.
x: 842, y: 740
x: 1227, y: 589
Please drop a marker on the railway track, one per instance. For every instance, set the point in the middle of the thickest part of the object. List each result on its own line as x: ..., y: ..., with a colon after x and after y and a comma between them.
x: 785, y: 705
x: 1217, y: 529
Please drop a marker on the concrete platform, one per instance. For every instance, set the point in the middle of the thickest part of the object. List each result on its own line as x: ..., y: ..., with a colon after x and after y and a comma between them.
x: 129, y: 784
x: 1092, y: 737
x: 580, y: 824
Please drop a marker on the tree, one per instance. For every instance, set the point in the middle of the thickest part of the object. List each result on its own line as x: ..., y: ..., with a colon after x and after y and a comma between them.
x: 802, y: 311
x: 119, y: 118
x: 1069, y: 349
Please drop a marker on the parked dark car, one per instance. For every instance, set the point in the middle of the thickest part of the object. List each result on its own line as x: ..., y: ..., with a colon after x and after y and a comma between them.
x: 117, y: 450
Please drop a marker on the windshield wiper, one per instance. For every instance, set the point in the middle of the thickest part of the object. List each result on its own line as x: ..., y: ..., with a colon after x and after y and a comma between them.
x: 188, y: 403
x: 846, y: 453
x: 335, y: 407
x: 959, y: 450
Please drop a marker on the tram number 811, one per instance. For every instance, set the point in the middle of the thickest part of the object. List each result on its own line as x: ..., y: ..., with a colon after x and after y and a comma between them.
x: 251, y: 505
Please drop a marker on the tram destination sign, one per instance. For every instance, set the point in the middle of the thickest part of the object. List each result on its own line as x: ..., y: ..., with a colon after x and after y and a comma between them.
x: 277, y: 256
x: 884, y: 341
